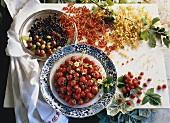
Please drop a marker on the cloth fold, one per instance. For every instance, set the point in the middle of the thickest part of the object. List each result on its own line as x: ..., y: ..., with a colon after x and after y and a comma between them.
x: 29, y: 105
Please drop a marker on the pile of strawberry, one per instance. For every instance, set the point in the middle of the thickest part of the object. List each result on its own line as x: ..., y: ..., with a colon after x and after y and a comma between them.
x: 76, y: 80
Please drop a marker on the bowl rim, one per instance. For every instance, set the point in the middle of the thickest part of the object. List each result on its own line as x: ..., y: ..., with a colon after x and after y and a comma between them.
x: 69, y: 111
x: 47, y: 11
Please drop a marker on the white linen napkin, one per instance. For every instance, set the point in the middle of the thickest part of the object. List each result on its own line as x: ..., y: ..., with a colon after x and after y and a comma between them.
x: 29, y: 105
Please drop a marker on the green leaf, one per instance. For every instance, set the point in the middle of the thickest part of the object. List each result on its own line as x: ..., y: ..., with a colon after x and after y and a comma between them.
x: 121, y: 85
x: 166, y: 42
x: 109, y: 20
x: 152, y: 41
x: 145, y: 100
x: 3, y: 3
x: 110, y: 2
x: 155, y: 99
x: 162, y: 30
x: 158, y: 36
x: 156, y: 19
x: 94, y: 8
x: 145, y: 113
x: 121, y: 82
x: 150, y: 91
x: 121, y: 79
x: 144, y: 35
x: 106, y: 89
x: 144, y: 20
x: 151, y: 97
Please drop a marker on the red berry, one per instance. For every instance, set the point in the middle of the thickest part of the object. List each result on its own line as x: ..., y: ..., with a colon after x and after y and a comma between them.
x: 138, y: 82
x: 124, y: 90
x: 149, y: 79
x: 129, y: 73
x: 164, y: 86
x: 141, y: 73
x: 145, y: 84
x: 129, y: 102
x: 136, y: 85
x: 125, y: 76
x: 139, y: 92
x: 139, y: 77
x: 119, y: 99
x: 138, y: 100
x: 132, y: 87
x: 131, y: 76
x: 132, y: 96
x: 159, y: 87
x: 128, y: 89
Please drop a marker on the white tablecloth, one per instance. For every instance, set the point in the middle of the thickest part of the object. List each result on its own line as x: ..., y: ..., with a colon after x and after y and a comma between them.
x: 9, y: 100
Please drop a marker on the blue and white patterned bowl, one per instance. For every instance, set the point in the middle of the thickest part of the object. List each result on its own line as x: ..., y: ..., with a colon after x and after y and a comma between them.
x: 47, y: 89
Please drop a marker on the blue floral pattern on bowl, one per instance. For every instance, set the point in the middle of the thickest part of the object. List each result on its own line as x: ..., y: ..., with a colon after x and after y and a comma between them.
x: 85, y: 111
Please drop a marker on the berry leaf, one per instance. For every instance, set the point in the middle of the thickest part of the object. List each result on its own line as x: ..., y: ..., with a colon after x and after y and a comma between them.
x: 145, y: 100
x: 152, y: 41
x: 155, y: 99
x: 156, y: 19
x: 144, y: 20
x: 151, y: 97
x: 121, y: 82
x: 144, y: 35
x: 166, y: 42
x: 150, y: 91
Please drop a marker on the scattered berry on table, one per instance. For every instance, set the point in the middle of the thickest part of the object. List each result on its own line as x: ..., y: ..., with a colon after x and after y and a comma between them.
x: 164, y: 86
x: 159, y: 87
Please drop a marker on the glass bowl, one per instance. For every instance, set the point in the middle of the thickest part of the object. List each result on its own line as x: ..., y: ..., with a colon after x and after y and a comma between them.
x: 26, y: 26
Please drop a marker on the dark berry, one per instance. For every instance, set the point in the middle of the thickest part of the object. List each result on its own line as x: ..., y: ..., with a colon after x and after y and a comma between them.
x: 164, y: 86
x: 159, y: 87
x: 145, y: 84
x: 138, y: 100
x: 119, y: 99
x: 132, y: 96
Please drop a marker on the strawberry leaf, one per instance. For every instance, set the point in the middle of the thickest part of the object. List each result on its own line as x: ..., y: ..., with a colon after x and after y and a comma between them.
x: 166, y: 42
x: 155, y: 99
x: 150, y: 91
x: 121, y: 82
x: 145, y: 100
x: 151, y: 97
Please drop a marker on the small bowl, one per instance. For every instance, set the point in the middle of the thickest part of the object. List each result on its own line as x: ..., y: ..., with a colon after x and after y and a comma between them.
x: 26, y: 26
